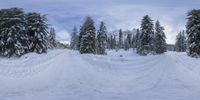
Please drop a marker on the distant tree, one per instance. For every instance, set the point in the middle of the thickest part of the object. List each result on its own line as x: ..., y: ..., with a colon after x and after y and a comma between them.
x: 193, y: 33
x: 74, y: 43
x: 102, y: 39
x: 128, y: 42
x: 137, y: 39
x: 37, y: 32
x: 120, y: 42
x: 108, y: 42
x: 77, y: 42
x: 113, y: 42
x: 87, y: 42
x: 133, y: 41
x: 52, y: 38
x: 160, y: 43
x: 146, y: 36
x: 180, y: 45
x: 81, y: 33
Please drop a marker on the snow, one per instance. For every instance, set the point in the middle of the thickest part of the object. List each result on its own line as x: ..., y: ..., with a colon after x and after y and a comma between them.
x: 122, y: 75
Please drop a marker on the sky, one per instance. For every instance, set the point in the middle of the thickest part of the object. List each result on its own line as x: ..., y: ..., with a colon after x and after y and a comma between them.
x: 63, y: 15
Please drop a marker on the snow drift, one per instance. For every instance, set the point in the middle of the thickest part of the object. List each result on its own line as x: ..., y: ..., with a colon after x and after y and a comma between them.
x: 67, y: 75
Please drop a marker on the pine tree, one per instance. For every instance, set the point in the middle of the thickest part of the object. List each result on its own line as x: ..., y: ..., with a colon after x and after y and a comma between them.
x: 13, y: 38
x: 81, y: 33
x: 87, y: 42
x: 160, y: 43
x: 193, y: 33
x: 133, y: 41
x: 137, y: 39
x: 21, y: 33
x: 52, y: 38
x: 120, y: 42
x: 113, y: 42
x: 101, y: 39
x: 128, y: 42
x: 74, y: 39
x: 77, y: 42
x: 108, y: 42
x: 37, y: 32
x: 146, y: 36
x: 180, y: 45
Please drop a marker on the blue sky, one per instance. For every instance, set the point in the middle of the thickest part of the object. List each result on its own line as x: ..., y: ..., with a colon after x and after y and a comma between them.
x: 125, y: 14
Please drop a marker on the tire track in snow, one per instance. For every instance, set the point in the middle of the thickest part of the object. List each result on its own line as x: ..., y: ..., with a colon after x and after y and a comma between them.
x: 12, y: 71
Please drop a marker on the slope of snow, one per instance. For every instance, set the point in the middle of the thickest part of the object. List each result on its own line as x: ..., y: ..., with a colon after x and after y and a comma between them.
x: 122, y: 75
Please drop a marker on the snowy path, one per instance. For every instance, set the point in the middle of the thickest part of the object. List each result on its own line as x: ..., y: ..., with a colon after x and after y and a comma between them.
x: 66, y: 75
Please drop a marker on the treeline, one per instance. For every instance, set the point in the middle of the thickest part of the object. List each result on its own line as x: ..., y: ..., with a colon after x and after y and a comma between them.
x: 150, y: 39
x: 181, y: 43
x: 21, y: 33
x: 189, y: 40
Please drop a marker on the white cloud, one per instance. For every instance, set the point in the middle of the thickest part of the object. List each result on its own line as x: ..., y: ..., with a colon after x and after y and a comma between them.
x: 62, y: 35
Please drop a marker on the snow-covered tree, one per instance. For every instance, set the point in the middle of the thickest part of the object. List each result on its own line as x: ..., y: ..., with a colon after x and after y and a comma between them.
x: 113, y: 42
x: 21, y: 33
x: 74, y: 39
x: 120, y: 42
x: 81, y: 33
x: 13, y: 38
x: 193, y: 33
x: 102, y: 39
x: 87, y: 42
x: 146, y: 36
x: 128, y: 42
x: 108, y: 42
x: 137, y: 39
x: 159, y: 39
x: 180, y: 45
x: 133, y: 39
x: 52, y: 38
x: 37, y: 32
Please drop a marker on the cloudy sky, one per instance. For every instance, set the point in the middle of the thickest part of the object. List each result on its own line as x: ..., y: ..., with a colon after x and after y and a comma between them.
x: 125, y: 14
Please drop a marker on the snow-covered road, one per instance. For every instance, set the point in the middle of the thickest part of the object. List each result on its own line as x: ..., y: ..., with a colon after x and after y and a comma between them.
x: 67, y: 75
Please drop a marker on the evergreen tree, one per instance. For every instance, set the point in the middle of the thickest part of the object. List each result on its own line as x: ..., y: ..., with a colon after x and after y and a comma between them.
x: 108, y: 42
x: 146, y: 36
x: 74, y: 39
x: 133, y: 41
x: 137, y: 39
x: 87, y: 42
x: 81, y: 33
x: 13, y: 38
x: 52, y: 38
x: 37, y: 32
x: 101, y: 39
x: 77, y: 42
x: 180, y: 45
x: 113, y: 42
x: 128, y: 42
x: 21, y: 33
x: 120, y: 42
x: 160, y: 43
x: 193, y: 33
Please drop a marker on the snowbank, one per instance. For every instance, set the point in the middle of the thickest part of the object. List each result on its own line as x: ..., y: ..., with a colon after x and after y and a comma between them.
x: 67, y: 75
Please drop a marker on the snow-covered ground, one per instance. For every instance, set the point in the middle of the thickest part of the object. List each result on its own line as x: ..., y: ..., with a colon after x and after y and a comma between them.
x: 67, y: 75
